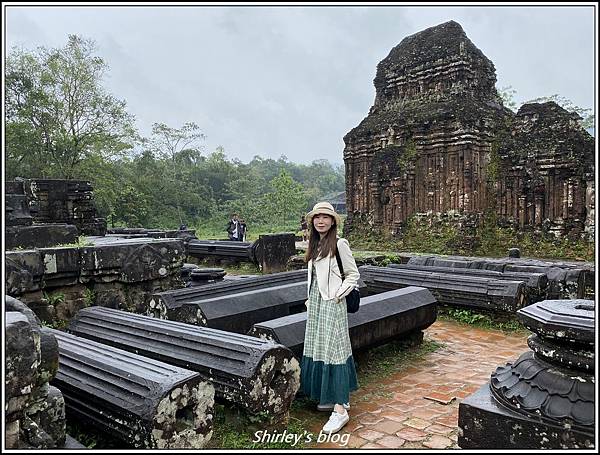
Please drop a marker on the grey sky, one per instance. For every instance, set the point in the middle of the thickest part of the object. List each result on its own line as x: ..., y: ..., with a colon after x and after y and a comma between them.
x: 293, y: 81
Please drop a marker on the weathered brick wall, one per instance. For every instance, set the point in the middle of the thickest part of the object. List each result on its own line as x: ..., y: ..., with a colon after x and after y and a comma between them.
x: 435, y: 128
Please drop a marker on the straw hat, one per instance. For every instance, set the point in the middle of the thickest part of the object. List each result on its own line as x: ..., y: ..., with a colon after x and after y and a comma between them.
x: 324, y: 208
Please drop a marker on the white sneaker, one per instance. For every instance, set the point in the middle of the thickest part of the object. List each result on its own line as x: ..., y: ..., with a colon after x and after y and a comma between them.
x: 336, y: 422
x: 329, y: 407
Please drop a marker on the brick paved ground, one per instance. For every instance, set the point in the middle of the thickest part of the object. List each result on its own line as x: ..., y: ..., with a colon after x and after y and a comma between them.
x: 400, y: 417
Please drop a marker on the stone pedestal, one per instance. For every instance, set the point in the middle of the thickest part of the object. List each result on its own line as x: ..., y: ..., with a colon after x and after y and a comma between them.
x: 545, y: 399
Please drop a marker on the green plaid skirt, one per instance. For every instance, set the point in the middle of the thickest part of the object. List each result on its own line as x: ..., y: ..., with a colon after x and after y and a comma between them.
x: 328, y: 373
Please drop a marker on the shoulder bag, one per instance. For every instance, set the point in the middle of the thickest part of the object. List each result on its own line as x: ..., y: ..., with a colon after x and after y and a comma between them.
x: 352, y: 299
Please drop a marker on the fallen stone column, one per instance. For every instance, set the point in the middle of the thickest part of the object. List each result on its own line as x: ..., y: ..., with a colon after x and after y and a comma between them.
x: 536, y: 284
x: 567, y: 280
x: 221, y: 248
x: 233, y: 306
x: 380, y: 319
x: 173, y: 298
x: 143, y: 402
x: 450, y: 290
x: 256, y: 375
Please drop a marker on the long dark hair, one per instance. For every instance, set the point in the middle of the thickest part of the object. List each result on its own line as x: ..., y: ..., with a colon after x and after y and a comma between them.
x: 321, y: 247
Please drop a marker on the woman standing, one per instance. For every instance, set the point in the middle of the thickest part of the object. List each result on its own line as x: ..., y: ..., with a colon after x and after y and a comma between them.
x: 327, y: 367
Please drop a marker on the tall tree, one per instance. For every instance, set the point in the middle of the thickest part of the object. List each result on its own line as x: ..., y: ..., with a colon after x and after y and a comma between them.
x: 286, y: 203
x: 179, y: 149
x: 58, y: 113
x: 167, y: 142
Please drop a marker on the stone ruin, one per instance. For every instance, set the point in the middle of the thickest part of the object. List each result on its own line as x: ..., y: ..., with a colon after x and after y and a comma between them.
x: 55, y: 274
x: 546, y: 398
x: 21, y: 232
x: 437, y: 140
x: 34, y: 409
x: 45, y: 202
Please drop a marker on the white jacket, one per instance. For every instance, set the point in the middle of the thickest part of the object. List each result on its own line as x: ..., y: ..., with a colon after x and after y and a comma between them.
x: 329, y: 275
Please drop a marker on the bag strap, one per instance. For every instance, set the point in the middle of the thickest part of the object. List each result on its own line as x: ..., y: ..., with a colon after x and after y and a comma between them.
x: 339, y: 262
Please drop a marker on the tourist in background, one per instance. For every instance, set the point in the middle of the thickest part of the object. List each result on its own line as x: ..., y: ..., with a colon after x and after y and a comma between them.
x: 304, y: 227
x: 243, y: 229
x: 233, y: 227
x: 328, y: 373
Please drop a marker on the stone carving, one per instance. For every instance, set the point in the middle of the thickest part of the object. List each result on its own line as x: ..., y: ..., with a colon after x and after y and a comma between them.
x: 64, y: 201
x: 545, y: 399
x: 438, y: 140
x: 20, y: 230
x: 119, y: 274
x: 35, y: 411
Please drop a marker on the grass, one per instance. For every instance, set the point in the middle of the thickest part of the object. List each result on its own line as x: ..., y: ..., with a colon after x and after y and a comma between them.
x: 241, y: 268
x: 81, y: 242
x: 390, y: 358
x: 504, y: 322
x: 445, y: 238
x: 233, y: 429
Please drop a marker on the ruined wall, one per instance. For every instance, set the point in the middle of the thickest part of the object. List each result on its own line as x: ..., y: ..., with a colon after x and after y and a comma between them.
x: 35, y: 410
x: 64, y: 201
x: 546, y: 174
x: 57, y: 282
x: 426, y: 145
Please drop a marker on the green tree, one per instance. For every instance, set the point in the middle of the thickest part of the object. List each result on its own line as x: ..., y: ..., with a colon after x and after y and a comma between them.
x: 507, y: 95
x: 286, y: 203
x: 178, y: 149
x: 58, y: 113
x: 168, y: 142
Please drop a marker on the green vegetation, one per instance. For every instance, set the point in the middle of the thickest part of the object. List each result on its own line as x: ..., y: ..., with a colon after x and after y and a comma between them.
x: 54, y: 298
x: 488, y: 239
x: 59, y: 324
x: 378, y: 258
x: 243, y: 268
x: 506, y: 323
x: 408, y: 157
x: 234, y: 429
x: 507, y: 95
x: 82, y: 241
x: 62, y: 123
x: 390, y: 358
x: 89, y: 297
x: 58, y: 114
